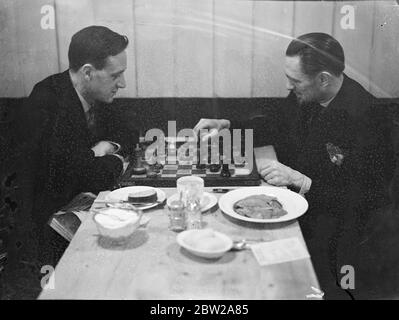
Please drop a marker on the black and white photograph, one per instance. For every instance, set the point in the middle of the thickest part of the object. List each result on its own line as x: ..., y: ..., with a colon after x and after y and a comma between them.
x: 199, y: 154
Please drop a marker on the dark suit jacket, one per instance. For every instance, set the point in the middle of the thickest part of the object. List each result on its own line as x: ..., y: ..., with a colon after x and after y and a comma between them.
x: 343, y: 198
x: 351, y: 189
x: 63, y: 162
x: 350, y: 123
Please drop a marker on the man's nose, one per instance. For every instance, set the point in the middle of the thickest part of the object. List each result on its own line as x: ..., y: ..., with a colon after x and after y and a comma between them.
x: 289, y: 85
x: 122, y: 82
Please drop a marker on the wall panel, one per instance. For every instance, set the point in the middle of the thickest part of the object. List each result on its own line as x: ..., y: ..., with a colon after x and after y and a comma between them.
x: 10, y: 68
x: 385, y: 51
x: 118, y: 16
x: 71, y: 16
x: 154, y: 47
x: 357, y: 53
x: 37, y: 46
x: 233, y: 41
x: 273, y: 25
x: 313, y: 16
x: 193, y: 48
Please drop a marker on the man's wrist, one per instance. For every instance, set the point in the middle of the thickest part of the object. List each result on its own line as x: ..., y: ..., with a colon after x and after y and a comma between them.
x: 301, y: 182
x: 306, y: 184
x: 297, y: 179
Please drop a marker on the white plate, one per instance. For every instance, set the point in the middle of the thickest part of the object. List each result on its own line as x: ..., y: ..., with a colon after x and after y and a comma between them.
x: 292, y: 202
x: 207, y: 202
x: 189, y: 238
x: 123, y: 193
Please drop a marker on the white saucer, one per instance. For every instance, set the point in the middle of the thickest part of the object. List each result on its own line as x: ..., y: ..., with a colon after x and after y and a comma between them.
x: 207, y: 202
x: 123, y: 193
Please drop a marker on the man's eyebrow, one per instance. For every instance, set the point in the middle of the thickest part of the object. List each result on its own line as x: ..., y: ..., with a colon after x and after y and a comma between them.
x: 291, y: 78
x: 118, y: 72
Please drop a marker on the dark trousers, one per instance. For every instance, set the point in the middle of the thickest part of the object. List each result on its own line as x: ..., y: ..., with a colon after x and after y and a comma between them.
x: 28, y: 254
x: 367, y: 242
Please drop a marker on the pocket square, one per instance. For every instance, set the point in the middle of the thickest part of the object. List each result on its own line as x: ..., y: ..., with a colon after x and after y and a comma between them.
x: 335, y: 153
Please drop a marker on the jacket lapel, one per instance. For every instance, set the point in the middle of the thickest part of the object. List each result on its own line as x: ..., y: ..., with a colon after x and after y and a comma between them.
x: 71, y: 116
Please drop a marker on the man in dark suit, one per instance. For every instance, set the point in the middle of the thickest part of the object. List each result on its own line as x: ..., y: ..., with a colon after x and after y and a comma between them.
x: 78, y: 142
x: 330, y: 148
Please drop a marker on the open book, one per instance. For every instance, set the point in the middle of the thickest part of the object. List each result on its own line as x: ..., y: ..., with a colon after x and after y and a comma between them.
x: 67, y: 221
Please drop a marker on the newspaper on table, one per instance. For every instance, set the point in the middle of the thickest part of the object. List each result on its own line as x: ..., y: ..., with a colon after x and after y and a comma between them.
x: 68, y: 219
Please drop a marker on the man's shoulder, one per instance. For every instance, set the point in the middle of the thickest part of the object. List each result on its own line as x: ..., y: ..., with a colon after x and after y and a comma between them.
x: 51, y: 84
x: 352, y: 86
x: 354, y: 99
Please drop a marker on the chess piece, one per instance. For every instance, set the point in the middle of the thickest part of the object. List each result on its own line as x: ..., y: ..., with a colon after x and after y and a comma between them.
x: 214, y: 167
x: 202, y: 159
x: 158, y: 167
x: 138, y: 162
x: 225, y: 171
x: 201, y: 166
x: 152, y: 174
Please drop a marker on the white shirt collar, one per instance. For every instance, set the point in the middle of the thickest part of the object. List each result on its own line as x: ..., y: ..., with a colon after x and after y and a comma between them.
x: 86, y: 106
x: 325, y: 104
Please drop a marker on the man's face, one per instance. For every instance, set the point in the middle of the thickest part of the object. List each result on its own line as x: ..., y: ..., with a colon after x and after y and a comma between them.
x: 305, y: 87
x: 105, y: 83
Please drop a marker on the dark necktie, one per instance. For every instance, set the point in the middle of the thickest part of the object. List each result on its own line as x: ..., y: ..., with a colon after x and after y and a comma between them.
x: 90, y: 116
x: 310, y: 114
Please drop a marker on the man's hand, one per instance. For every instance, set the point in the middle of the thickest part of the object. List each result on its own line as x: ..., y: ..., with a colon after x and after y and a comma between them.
x: 277, y: 174
x: 103, y: 148
x: 213, y: 125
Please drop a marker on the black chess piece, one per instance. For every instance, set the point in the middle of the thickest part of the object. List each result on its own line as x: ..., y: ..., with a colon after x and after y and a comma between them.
x: 201, y: 162
x: 200, y: 166
x: 214, y: 167
x: 225, y: 171
x: 138, y: 162
x: 152, y: 174
x: 152, y: 171
x: 158, y: 167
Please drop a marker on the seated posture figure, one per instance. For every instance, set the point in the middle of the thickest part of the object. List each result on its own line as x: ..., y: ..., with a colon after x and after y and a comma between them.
x: 74, y: 132
x: 330, y: 148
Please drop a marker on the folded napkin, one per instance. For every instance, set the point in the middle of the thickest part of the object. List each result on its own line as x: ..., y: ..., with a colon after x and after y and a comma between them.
x: 279, y: 251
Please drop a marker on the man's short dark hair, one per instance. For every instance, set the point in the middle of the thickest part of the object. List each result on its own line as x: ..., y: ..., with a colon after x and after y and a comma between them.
x: 94, y: 45
x: 318, y: 52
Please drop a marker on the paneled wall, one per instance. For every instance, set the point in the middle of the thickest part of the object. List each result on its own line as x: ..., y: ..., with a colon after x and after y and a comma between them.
x: 199, y: 48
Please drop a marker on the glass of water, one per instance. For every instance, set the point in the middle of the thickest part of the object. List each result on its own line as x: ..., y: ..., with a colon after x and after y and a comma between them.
x: 177, y: 216
x: 190, y: 188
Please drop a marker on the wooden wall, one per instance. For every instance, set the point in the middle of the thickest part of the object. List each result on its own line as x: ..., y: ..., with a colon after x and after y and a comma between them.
x: 198, y: 48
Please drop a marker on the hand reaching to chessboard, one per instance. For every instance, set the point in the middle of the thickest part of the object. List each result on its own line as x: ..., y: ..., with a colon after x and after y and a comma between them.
x: 208, y: 128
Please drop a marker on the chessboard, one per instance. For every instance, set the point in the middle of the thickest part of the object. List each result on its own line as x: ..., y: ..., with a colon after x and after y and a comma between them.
x: 165, y: 175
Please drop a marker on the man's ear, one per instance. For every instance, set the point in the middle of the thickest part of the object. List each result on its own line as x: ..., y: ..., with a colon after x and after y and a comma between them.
x: 324, y: 78
x: 87, y: 71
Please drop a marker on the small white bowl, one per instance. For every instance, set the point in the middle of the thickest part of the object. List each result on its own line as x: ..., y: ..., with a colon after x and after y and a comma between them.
x: 115, y: 223
x: 205, y: 243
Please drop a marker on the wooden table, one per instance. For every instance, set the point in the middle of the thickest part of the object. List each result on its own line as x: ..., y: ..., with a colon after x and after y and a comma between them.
x: 154, y: 266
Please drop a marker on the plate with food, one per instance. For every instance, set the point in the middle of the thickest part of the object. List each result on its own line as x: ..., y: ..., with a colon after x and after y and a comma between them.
x: 146, y: 197
x: 264, y: 204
